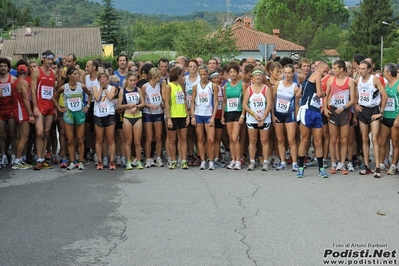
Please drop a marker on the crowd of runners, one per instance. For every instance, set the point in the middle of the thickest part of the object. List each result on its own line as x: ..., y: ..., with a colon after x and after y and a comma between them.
x: 203, y: 114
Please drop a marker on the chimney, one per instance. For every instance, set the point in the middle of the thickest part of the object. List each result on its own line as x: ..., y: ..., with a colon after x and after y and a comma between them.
x: 276, y: 33
x: 247, y: 22
x: 28, y: 32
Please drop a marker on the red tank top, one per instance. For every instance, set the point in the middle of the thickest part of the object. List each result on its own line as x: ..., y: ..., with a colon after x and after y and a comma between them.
x: 7, y: 100
x: 45, y: 89
x: 335, y: 88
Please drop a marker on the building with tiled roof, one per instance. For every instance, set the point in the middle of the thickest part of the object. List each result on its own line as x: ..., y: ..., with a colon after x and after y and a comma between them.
x: 331, y: 54
x: 31, y: 42
x: 247, y: 40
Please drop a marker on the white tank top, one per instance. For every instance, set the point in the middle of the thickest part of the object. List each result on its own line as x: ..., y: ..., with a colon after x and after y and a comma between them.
x: 257, y: 103
x: 73, y: 98
x: 153, y: 96
x: 220, y: 98
x: 104, y: 107
x: 188, y: 84
x: 90, y: 84
x: 204, y: 100
x: 369, y: 96
x: 285, y: 98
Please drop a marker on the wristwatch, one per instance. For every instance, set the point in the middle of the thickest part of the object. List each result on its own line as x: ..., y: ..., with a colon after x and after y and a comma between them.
x: 88, y: 106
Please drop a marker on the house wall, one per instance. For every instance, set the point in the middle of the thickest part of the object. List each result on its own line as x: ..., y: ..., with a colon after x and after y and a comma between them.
x: 258, y: 55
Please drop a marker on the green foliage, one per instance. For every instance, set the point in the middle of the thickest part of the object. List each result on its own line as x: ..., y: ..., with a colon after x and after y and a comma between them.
x: 10, y: 14
x: 367, y: 29
x: 298, y: 21
x: 191, y: 38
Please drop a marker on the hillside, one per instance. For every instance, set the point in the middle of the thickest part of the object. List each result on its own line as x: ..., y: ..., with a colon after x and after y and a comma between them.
x: 185, y: 7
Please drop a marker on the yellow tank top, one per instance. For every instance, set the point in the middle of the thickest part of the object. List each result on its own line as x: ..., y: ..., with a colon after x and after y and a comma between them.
x: 177, y: 101
x: 61, y: 101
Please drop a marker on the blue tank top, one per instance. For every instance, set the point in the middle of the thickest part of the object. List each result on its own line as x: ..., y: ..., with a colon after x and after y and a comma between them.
x: 122, y: 78
x: 309, y: 97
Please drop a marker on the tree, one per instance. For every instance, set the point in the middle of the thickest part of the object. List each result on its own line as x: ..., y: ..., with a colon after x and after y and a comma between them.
x: 298, y: 20
x: 197, y: 39
x: 108, y: 21
x: 367, y: 29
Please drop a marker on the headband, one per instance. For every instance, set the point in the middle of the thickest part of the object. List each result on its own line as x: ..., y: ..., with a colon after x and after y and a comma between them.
x: 257, y: 71
x: 51, y: 56
x: 213, y: 74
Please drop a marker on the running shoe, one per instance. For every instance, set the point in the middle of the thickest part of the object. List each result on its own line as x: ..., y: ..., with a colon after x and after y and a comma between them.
x: 391, y: 170
x: 19, y: 166
x: 123, y: 161
x: 322, y: 173
x: 276, y: 162
x: 377, y: 173
x: 99, y: 165
x: 218, y: 163
x: 129, y: 165
x: 196, y: 161
x: 147, y: 163
x: 343, y: 170
x: 184, y: 165
x: 54, y: 160
x: 4, y: 161
x: 350, y: 167
x: 38, y: 166
x: 71, y: 166
x: 48, y: 156
x: 333, y: 169
x: 173, y: 165
x: 118, y: 160
x: 190, y: 161
x: 325, y: 163
x: 237, y: 166
x: 366, y: 171
x: 265, y: 166
x: 300, y: 173
x: 81, y: 166
x: 159, y: 162
x: 112, y: 165
x: 12, y: 159
x: 294, y: 168
x: 134, y: 162
x: 231, y: 165
x: 45, y: 165
x: 105, y: 161
x: 63, y: 163
x: 251, y: 166
x: 26, y: 164
x: 281, y: 167
x: 140, y: 166
x: 152, y: 162
x: 211, y: 165
x: 202, y: 166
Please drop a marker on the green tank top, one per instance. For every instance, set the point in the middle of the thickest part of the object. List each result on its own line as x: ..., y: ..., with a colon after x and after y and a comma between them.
x: 392, y: 107
x: 234, y: 97
x: 177, y: 101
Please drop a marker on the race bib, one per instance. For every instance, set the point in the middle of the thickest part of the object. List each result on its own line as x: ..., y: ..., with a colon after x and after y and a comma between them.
x: 390, y: 106
x: 232, y: 104
x: 155, y: 98
x: 6, y: 88
x: 102, y: 109
x: 282, y: 106
x: 340, y: 99
x: 220, y: 102
x: 47, y: 92
x: 315, y: 101
x: 257, y: 103
x: 189, y: 97
x: 179, y: 97
x: 115, y: 103
x: 74, y: 104
x: 365, y: 98
x: 203, y: 99
x: 132, y: 97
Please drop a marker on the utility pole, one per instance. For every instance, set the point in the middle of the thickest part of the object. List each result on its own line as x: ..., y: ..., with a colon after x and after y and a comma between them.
x: 13, y: 27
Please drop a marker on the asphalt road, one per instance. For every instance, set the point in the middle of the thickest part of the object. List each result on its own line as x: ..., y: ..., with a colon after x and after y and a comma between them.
x: 162, y: 217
